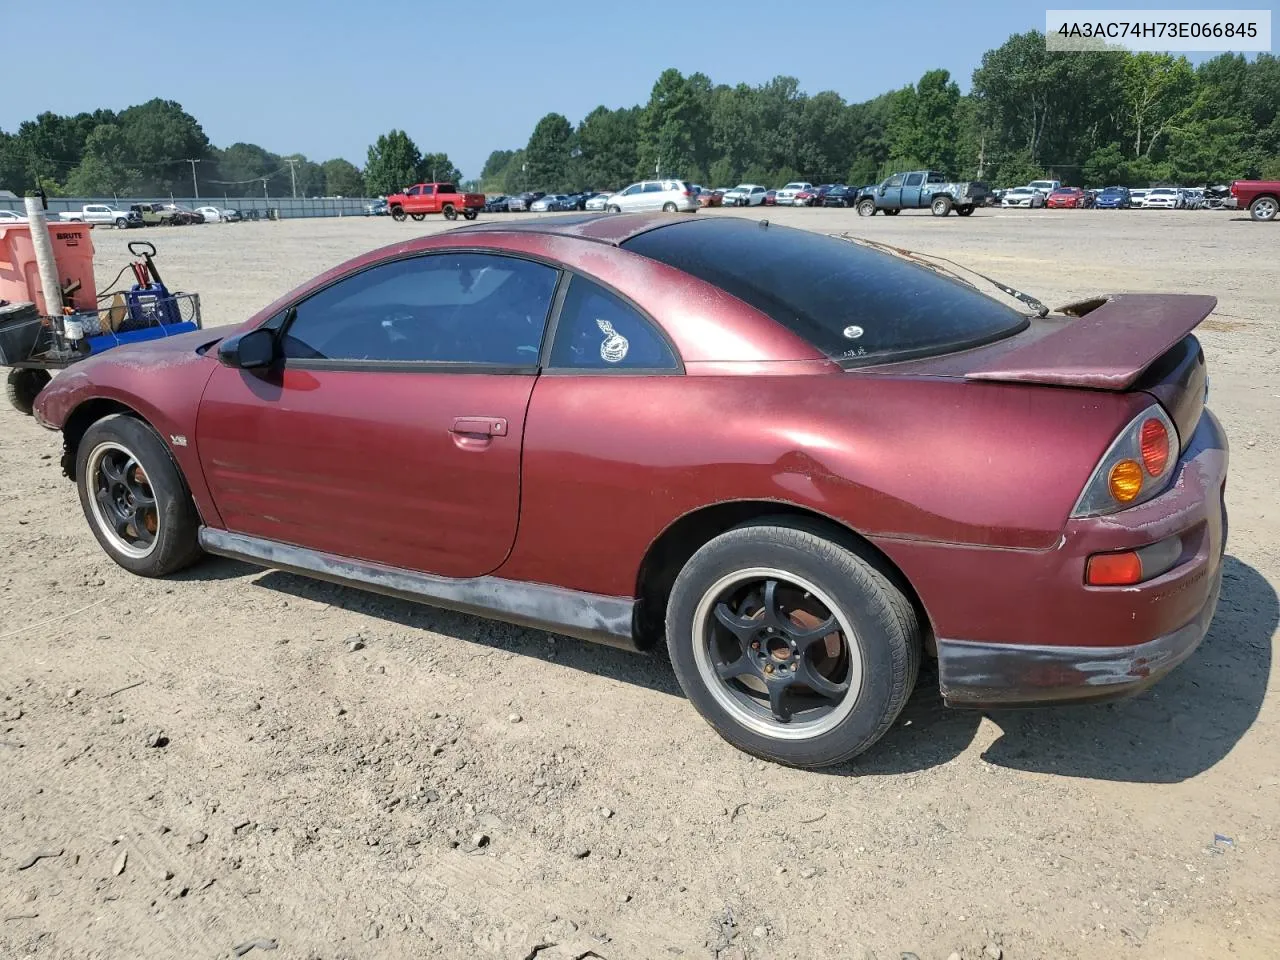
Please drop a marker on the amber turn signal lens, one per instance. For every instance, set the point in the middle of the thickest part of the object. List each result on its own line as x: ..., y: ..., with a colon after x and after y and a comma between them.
x: 1125, y: 480
x: 1155, y: 446
x: 1113, y: 569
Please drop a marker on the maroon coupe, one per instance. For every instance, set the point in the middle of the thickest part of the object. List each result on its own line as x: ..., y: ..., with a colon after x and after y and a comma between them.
x: 804, y: 462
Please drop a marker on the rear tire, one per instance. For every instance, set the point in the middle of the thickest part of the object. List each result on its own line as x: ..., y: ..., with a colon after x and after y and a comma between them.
x: 23, y: 386
x: 159, y: 539
x: 668, y: 207
x: 122, y: 223
x: 1264, y: 209
x: 418, y: 217
x: 470, y: 214
x: 450, y: 213
x: 964, y: 211
x: 941, y: 206
x: 817, y: 581
x: 866, y: 208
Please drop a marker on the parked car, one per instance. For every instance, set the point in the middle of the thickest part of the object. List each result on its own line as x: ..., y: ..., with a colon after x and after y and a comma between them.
x: 804, y: 197
x: 103, y: 214
x: 710, y: 198
x: 444, y: 198
x: 770, y: 198
x: 152, y: 214
x: 1260, y: 197
x: 545, y: 203
x: 787, y: 195
x: 1067, y: 197
x: 11, y: 216
x: 922, y: 190
x: 598, y: 202
x: 1068, y: 543
x: 496, y: 204
x: 231, y: 215
x: 1138, y: 198
x: 217, y: 215
x: 1045, y: 186
x: 1022, y: 197
x: 1113, y: 198
x: 669, y: 196
x: 376, y: 208
x: 1192, y: 198
x: 840, y: 196
x: 745, y: 195
x: 1164, y: 198
x: 182, y: 216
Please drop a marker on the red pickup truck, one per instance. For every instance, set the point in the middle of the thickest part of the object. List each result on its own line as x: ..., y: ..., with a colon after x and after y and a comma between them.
x: 1260, y: 197
x: 424, y: 198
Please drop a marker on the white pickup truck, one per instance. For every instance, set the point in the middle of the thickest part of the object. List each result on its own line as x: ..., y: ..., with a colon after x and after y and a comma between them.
x: 102, y: 213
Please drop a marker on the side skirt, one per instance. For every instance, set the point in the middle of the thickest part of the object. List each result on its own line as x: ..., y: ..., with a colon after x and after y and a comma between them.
x: 588, y: 616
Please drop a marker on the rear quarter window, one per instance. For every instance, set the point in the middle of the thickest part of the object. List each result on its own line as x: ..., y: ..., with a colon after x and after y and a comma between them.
x: 857, y: 305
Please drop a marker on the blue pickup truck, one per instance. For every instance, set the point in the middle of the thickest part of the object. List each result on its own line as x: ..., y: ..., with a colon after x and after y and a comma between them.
x: 923, y: 190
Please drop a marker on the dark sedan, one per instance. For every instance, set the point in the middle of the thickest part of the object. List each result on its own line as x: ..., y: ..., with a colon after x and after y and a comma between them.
x: 801, y: 462
x: 840, y: 196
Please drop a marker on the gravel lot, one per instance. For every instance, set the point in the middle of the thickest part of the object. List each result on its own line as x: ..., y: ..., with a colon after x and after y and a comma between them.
x: 211, y: 761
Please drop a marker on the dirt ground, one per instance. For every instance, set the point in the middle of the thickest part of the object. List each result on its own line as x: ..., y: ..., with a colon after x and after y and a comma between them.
x: 205, y: 763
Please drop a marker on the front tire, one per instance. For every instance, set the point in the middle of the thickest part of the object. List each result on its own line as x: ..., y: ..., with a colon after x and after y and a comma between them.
x: 135, y: 499
x: 23, y: 386
x: 866, y: 208
x: 418, y: 217
x: 793, y: 645
x: 614, y: 208
x: 397, y: 214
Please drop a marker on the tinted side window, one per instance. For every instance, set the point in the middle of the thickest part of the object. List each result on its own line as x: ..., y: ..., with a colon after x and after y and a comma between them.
x: 914, y: 179
x: 414, y: 191
x: 601, y: 331
x: 631, y: 190
x: 445, y: 308
x: 653, y: 188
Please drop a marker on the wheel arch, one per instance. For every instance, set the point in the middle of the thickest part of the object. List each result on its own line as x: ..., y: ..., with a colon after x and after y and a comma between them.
x: 85, y: 415
x: 672, y: 548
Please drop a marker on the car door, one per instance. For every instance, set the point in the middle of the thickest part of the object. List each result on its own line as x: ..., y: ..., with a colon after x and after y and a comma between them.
x: 630, y: 198
x: 389, y: 428
x: 890, y: 193
x: 651, y: 195
x: 911, y: 190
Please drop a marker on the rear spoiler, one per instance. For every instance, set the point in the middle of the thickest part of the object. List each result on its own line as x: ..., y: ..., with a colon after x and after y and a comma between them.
x: 1108, y: 345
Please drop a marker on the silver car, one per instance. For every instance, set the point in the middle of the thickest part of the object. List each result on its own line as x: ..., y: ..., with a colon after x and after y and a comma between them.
x: 668, y: 195
x: 745, y: 195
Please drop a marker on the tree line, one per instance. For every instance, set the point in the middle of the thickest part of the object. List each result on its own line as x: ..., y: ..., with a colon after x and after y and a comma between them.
x: 1086, y: 118
x: 146, y: 150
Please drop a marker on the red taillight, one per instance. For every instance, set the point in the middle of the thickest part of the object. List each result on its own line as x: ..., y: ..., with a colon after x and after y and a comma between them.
x: 1154, y: 443
x: 1113, y: 569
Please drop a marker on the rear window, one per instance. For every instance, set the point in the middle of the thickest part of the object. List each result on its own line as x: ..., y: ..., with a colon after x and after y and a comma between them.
x: 857, y: 305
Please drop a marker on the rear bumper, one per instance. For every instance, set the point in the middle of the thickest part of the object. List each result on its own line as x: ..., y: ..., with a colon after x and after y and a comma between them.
x: 1003, y: 675
x: 1020, y: 627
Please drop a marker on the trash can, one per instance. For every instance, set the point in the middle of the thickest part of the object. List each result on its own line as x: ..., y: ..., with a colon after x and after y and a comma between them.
x: 72, y: 254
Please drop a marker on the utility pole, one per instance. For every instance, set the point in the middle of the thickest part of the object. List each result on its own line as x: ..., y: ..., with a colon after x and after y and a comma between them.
x: 293, y: 177
x: 194, y: 187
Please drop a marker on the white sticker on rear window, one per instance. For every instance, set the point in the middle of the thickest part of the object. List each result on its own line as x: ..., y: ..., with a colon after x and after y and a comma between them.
x: 613, y: 349
x: 854, y: 332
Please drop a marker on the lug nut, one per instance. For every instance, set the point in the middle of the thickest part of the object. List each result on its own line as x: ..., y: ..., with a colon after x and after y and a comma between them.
x: 768, y: 668
x: 793, y: 668
x: 755, y: 644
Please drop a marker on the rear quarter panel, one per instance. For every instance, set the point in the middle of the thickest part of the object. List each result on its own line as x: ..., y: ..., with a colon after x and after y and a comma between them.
x: 612, y: 461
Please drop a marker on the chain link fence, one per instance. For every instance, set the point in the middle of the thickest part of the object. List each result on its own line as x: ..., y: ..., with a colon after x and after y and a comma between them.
x: 251, y: 208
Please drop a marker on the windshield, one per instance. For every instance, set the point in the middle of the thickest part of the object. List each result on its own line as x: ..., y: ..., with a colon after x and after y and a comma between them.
x: 856, y: 303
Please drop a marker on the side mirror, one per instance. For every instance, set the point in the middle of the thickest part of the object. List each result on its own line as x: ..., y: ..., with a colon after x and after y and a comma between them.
x: 249, y: 351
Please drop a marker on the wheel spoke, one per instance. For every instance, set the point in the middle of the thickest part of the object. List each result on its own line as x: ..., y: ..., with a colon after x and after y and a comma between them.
x: 111, y: 470
x: 741, y: 627
x: 741, y: 667
x: 772, y: 612
x: 777, y: 700
x: 819, y: 684
x: 804, y: 638
x: 111, y: 512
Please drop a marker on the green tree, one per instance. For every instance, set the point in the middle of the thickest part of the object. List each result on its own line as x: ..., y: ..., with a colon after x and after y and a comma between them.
x: 104, y: 168
x: 608, y: 145
x: 342, y: 178
x: 549, y: 153
x: 160, y: 137
x: 670, y: 127
x: 392, y: 165
x: 494, y: 166
x: 437, y: 168
x: 924, y: 123
x: 1157, y: 87
x: 241, y: 168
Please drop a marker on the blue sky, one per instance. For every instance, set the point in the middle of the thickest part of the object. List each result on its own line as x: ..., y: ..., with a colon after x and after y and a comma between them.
x: 325, y: 78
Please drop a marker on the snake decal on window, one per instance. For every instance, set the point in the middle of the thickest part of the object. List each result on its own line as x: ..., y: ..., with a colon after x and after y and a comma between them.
x: 613, y: 349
